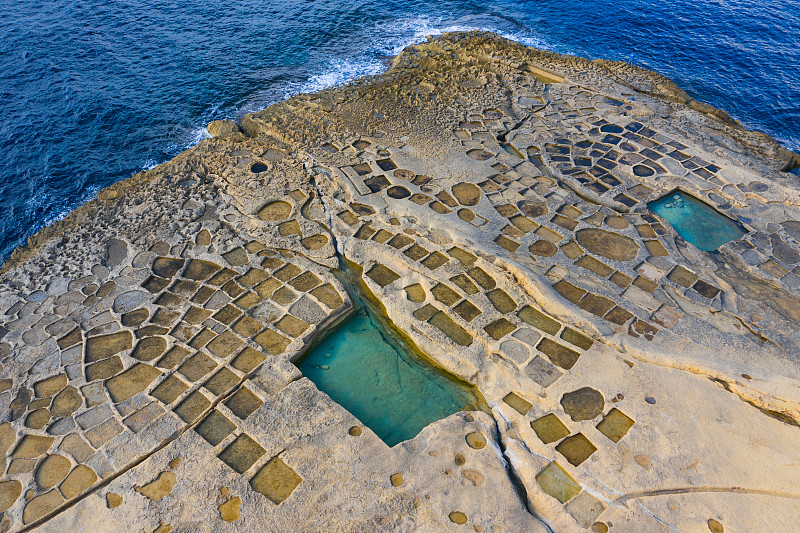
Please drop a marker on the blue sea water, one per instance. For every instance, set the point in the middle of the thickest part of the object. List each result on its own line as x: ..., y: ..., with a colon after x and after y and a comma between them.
x: 92, y: 92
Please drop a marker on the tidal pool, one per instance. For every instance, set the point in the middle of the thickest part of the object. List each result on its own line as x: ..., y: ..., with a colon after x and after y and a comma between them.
x: 370, y: 369
x: 696, y: 221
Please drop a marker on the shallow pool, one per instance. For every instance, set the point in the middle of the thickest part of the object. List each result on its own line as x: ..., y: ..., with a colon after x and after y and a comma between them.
x: 379, y: 377
x: 695, y: 221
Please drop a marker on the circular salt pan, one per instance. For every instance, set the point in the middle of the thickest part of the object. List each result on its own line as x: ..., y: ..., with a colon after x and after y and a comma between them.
x: 606, y: 244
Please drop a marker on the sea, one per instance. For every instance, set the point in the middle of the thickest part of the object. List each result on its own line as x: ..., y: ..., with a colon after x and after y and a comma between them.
x: 93, y: 92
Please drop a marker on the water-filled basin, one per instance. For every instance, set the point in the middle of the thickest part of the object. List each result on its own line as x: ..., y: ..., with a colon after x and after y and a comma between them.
x: 695, y: 221
x: 368, y: 368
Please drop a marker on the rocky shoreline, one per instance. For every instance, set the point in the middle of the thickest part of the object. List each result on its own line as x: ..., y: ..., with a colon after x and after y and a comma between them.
x: 496, y: 197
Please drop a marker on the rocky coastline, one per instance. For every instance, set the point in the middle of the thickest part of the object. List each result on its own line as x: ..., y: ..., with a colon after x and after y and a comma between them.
x: 496, y: 198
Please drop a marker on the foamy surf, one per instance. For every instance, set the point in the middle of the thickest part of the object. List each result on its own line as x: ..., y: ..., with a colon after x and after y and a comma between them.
x: 385, y: 41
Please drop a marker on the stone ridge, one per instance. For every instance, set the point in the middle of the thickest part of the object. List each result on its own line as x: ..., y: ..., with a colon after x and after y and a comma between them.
x: 496, y: 199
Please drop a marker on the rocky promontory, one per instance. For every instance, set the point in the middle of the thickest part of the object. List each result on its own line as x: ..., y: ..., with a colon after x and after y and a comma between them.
x: 497, y: 200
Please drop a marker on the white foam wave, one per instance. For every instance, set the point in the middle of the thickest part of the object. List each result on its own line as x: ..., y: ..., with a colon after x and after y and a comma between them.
x: 149, y: 164
x: 417, y: 30
x: 89, y: 194
x: 386, y: 41
x: 338, y: 72
x: 390, y: 40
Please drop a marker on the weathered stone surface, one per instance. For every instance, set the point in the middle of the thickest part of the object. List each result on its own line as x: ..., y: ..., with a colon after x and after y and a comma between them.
x: 138, y: 421
x: 539, y: 320
x: 32, y: 446
x: 127, y: 302
x: 476, y: 440
x: 615, y: 425
x: 467, y: 193
x: 499, y: 328
x: 41, y: 506
x: 576, y: 449
x: 50, y: 386
x: 607, y: 244
x: 585, y: 509
x: 66, y: 402
x: 243, y: 403
x: 382, y: 275
x: 37, y: 419
x: 149, y: 349
x: 521, y: 405
x: 166, y: 267
x: 215, y: 427
x: 222, y: 382
x: 7, y: 437
x: 558, y: 483
x: 273, y: 342
x: 453, y: 331
x: 101, y: 434
x: 397, y: 479
x: 9, y: 493
x: 74, y: 445
x: 241, y: 454
x: 113, y: 500
x: 549, y: 428
x: 223, y: 128
x: 229, y: 511
x: 200, y: 270
x: 192, y: 407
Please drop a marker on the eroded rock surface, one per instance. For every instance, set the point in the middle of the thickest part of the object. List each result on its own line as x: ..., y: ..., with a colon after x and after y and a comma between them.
x: 496, y: 198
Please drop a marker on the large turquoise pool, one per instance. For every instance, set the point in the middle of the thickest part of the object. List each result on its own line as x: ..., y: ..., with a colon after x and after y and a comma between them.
x: 695, y: 221
x: 374, y: 373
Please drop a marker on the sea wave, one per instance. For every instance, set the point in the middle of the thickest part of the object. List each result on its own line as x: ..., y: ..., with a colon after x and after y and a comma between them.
x: 385, y: 41
x: 388, y: 40
x: 416, y: 30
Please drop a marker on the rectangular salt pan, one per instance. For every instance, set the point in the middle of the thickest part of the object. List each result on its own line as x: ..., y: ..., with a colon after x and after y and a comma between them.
x: 695, y: 221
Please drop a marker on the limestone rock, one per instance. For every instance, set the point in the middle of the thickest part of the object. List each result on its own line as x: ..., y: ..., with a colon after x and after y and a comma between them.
x: 223, y: 128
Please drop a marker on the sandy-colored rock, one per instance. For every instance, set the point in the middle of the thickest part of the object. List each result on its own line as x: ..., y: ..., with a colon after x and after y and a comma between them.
x: 223, y: 128
x: 41, y: 505
x: 78, y: 481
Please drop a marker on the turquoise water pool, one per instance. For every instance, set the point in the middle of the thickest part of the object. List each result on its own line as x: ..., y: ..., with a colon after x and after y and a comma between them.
x: 378, y: 376
x: 695, y: 221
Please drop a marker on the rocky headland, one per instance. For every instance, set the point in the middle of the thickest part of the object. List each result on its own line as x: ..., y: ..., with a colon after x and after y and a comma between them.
x: 496, y: 198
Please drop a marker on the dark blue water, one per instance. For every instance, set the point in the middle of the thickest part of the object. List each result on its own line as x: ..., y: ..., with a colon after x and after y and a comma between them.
x: 93, y: 92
